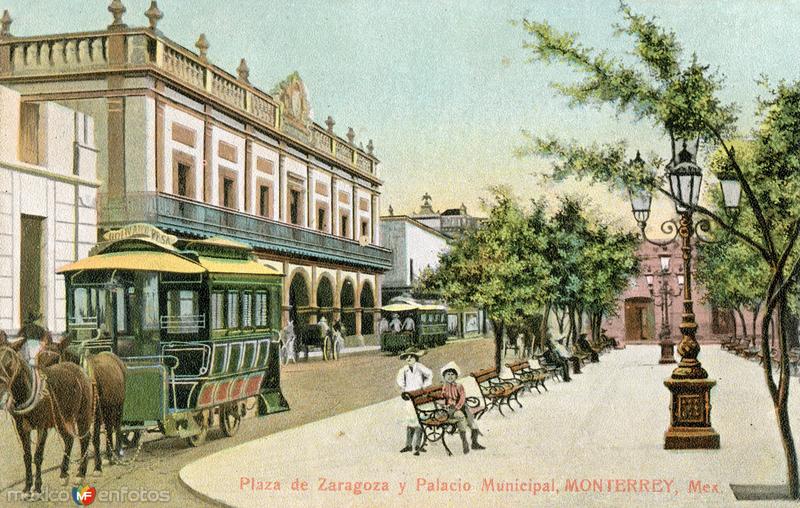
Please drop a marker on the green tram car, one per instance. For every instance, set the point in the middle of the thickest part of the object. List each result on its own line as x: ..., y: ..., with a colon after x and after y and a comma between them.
x: 195, y: 321
x: 430, y: 326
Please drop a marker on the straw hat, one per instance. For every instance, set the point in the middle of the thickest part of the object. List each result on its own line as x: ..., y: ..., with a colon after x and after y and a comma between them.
x: 412, y: 351
x: 450, y: 366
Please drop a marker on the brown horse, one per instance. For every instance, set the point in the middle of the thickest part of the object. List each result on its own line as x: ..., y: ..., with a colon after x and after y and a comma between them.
x: 59, y: 396
x: 107, y: 372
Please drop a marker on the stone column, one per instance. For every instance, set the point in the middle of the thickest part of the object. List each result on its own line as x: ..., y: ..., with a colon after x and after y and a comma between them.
x: 337, y: 297
x: 207, y: 159
x: 285, y: 296
x: 312, y: 297
x: 249, y: 206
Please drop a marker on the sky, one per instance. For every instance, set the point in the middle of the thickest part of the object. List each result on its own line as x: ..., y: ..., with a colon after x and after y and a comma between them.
x: 444, y: 88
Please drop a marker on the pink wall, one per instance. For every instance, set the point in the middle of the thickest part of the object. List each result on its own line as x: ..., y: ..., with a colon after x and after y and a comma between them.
x: 649, y: 256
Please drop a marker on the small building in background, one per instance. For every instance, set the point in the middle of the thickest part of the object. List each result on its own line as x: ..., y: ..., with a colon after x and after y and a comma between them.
x: 48, y: 191
x: 417, y: 247
x: 452, y: 222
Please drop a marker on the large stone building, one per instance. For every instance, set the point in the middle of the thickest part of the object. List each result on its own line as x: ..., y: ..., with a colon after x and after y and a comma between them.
x: 47, y: 216
x: 196, y: 151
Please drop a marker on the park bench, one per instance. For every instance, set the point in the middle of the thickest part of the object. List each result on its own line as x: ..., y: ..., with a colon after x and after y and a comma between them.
x: 495, y: 391
x: 581, y: 355
x: 584, y: 346
x: 731, y: 346
x: 552, y: 370
x: 433, y: 417
x: 525, y: 374
x: 725, y: 342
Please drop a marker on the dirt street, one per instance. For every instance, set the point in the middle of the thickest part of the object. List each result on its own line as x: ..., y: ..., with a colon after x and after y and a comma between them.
x: 314, y: 390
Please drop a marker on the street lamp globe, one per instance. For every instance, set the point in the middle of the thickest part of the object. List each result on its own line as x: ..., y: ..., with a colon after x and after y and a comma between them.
x: 649, y: 278
x: 640, y: 197
x: 680, y: 280
x: 664, y: 258
x: 685, y: 177
x: 730, y: 186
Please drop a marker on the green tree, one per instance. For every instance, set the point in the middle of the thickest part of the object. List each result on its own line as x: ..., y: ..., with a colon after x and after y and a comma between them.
x: 680, y: 98
x: 499, y: 267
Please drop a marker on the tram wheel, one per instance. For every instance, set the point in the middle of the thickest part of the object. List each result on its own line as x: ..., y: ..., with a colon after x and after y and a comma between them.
x: 202, y: 419
x: 130, y: 438
x: 230, y: 418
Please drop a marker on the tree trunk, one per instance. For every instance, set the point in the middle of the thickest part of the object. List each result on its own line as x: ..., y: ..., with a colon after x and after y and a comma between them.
x: 560, y: 319
x: 545, y: 326
x: 780, y: 394
x: 572, y: 325
x: 499, y: 328
x: 744, y: 323
x: 782, y: 409
x: 755, y: 317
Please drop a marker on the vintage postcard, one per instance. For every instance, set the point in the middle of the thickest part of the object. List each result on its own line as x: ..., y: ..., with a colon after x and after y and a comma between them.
x: 397, y: 253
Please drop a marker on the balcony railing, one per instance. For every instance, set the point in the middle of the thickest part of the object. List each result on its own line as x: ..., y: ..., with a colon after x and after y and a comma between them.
x: 195, y: 218
x: 88, y: 53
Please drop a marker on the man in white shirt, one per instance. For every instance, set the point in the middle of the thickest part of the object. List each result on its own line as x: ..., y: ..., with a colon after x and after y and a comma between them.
x: 413, y: 376
x: 408, y: 324
x: 395, y: 325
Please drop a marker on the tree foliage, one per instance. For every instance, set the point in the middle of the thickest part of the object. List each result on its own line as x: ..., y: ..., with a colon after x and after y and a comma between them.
x: 679, y: 96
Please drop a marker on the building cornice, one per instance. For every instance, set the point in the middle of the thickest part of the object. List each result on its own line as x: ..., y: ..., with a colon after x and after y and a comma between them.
x: 43, y: 172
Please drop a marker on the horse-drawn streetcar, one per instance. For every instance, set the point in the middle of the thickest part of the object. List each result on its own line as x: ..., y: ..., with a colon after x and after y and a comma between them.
x: 195, y: 321
x: 409, y: 323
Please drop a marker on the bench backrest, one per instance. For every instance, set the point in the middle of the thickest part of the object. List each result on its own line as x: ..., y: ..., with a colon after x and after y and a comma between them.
x: 518, y: 365
x: 424, y: 395
x: 482, y: 376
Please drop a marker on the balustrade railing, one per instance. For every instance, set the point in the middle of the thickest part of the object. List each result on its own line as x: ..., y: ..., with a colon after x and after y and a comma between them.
x: 179, y: 214
x: 58, y: 54
x: 89, y: 51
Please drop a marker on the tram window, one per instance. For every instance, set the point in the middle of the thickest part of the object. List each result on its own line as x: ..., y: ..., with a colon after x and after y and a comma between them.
x: 183, y: 309
x: 217, y: 310
x: 149, y: 285
x: 232, y: 309
x: 84, y: 306
x: 247, y: 309
x: 261, y: 309
x: 124, y: 297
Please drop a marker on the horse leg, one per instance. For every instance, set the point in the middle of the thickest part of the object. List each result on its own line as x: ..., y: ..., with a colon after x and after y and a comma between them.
x: 98, y: 458
x: 84, y: 430
x: 108, y: 423
x: 41, y: 439
x: 68, y: 439
x: 25, y: 440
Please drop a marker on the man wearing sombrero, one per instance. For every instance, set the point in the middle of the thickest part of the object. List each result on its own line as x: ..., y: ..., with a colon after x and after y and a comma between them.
x: 413, y: 376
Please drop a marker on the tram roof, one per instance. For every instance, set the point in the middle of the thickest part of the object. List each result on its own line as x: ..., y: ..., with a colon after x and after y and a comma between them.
x: 405, y: 307
x: 239, y: 266
x: 149, y: 261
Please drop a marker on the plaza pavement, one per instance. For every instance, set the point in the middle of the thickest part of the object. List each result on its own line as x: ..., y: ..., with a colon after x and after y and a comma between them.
x: 606, y: 425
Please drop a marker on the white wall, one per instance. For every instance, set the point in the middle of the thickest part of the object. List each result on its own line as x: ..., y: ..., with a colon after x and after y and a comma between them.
x: 65, y: 202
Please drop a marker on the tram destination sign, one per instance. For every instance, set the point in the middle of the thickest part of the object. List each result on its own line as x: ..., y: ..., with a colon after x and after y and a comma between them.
x: 141, y: 231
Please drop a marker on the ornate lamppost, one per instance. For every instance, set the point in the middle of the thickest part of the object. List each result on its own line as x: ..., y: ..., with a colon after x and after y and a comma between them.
x: 690, y: 408
x: 664, y: 301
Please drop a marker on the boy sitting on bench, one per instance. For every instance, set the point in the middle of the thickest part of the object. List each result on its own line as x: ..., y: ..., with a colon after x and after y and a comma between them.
x: 455, y: 400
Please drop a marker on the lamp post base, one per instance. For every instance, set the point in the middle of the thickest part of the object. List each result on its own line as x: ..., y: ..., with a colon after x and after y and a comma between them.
x: 690, y: 419
x: 667, y: 351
